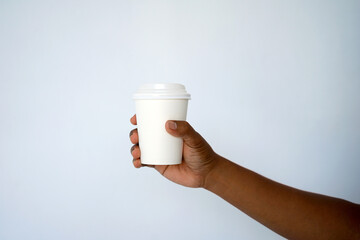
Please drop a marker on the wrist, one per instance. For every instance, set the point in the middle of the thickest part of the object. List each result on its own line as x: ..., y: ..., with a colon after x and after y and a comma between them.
x: 212, y: 176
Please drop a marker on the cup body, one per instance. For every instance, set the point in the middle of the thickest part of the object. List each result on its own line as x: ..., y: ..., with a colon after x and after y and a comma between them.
x: 156, y: 145
x: 153, y: 109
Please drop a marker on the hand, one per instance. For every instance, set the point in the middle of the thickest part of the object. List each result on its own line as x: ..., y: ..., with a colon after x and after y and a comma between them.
x: 198, y: 157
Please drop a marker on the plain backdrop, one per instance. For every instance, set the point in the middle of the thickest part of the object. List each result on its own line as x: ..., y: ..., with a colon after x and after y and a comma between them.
x: 275, y: 87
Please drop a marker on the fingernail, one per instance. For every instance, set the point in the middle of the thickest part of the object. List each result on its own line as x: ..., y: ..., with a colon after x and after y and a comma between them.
x: 172, y: 125
x: 132, y: 148
x: 131, y: 133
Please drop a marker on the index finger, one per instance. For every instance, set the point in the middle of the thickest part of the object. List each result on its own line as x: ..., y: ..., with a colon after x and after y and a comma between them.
x: 133, y: 120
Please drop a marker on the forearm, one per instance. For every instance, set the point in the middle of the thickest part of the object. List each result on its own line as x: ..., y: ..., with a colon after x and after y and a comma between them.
x: 293, y: 213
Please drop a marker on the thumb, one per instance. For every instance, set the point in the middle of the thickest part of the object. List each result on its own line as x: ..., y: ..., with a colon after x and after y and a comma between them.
x: 184, y: 130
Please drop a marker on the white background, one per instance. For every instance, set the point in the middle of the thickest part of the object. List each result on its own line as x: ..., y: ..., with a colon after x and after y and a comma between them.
x: 275, y: 87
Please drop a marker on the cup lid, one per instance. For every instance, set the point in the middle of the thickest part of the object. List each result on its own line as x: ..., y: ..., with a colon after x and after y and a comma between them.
x: 161, y: 91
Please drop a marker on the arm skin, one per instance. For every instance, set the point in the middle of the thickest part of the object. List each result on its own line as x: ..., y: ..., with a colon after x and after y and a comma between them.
x: 292, y: 213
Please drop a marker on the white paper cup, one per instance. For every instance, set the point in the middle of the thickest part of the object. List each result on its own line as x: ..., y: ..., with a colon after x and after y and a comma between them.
x: 155, y: 104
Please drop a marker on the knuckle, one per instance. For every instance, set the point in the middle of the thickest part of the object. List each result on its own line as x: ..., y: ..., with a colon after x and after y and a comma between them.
x: 132, y: 132
x: 133, y: 148
x: 185, y: 126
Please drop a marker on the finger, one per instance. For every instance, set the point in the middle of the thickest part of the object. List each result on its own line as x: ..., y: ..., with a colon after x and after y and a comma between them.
x: 135, y: 151
x: 134, y: 136
x: 137, y: 164
x: 184, y: 130
x: 133, y: 120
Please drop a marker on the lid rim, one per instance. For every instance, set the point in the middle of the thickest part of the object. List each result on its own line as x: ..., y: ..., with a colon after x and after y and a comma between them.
x: 161, y: 91
x: 143, y: 97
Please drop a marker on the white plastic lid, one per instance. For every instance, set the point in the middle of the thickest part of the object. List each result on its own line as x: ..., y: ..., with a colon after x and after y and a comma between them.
x: 161, y: 91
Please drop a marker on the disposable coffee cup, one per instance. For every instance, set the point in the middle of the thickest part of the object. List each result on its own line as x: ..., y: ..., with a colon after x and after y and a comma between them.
x: 155, y: 104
